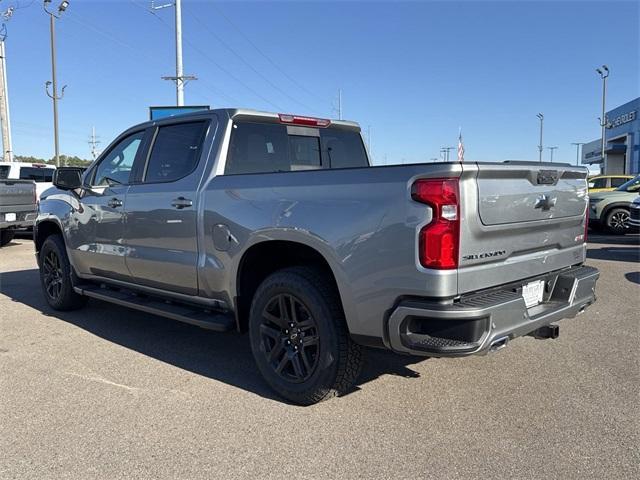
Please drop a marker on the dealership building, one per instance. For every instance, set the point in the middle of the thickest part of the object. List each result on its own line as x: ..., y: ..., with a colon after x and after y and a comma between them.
x: 622, y: 142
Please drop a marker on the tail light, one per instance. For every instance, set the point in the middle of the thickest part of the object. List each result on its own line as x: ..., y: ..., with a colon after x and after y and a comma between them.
x: 306, y: 121
x: 586, y: 223
x: 439, y: 240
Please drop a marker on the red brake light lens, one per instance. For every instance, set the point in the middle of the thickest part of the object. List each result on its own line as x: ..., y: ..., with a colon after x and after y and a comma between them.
x: 439, y: 240
x: 306, y: 121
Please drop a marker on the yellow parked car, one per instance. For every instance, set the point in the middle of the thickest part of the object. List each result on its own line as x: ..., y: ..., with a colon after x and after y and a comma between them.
x: 606, y: 183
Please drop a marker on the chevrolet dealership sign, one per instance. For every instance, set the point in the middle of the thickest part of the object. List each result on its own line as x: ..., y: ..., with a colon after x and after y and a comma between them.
x: 622, y: 119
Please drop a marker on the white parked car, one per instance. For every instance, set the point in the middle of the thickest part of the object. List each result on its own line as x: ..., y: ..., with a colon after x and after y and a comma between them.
x: 41, y: 173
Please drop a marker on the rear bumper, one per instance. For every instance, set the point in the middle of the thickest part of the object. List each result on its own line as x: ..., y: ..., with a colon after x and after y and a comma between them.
x: 23, y: 220
x: 485, y: 319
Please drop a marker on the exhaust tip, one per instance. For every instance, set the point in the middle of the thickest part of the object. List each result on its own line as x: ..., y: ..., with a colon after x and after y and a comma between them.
x: 498, y: 344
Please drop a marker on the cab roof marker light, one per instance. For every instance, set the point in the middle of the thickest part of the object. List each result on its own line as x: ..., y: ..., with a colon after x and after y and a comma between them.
x: 306, y: 121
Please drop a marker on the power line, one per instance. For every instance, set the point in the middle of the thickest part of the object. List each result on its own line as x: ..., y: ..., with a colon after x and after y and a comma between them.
x: 259, y: 50
x: 248, y: 64
x: 220, y: 67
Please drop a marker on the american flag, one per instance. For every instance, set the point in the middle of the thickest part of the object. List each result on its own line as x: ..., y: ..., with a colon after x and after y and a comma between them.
x: 460, y: 147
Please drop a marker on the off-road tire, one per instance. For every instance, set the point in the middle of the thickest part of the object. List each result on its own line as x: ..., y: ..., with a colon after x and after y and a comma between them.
x: 338, y: 359
x: 65, y: 297
x: 6, y: 236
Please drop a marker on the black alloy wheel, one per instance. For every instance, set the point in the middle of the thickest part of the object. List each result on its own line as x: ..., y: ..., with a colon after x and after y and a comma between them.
x: 289, y: 335
x: 52, y: 275
x: 618, y: 221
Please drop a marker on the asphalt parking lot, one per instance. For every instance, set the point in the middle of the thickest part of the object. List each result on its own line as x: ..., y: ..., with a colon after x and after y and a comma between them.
x: 110, y: 393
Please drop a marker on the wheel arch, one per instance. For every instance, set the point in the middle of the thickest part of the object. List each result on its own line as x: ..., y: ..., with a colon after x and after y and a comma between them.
x: 611, y: 206
x: 265, y: 257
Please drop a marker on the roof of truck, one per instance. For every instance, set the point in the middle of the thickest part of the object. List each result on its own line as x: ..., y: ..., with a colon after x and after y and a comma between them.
x: 249, y: 114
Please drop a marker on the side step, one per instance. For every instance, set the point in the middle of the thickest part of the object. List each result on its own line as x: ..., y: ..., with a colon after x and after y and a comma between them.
x: 210, y: 320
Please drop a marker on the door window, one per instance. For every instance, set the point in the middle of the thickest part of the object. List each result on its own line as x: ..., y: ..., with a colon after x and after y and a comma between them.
x: 176, y: 151
x: 598, y: 183
x: 115, y: 167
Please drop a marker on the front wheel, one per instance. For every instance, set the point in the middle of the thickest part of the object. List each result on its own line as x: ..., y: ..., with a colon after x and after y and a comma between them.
x: 55, y: 276
x: 299, y: 337
x: 618, y: 221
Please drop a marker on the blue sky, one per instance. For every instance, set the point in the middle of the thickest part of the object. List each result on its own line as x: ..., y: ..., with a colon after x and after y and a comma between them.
x: 414, y: 71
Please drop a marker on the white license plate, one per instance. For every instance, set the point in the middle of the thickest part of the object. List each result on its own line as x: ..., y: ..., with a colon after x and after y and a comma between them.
x: 9, y: 217
x: 532, y: 293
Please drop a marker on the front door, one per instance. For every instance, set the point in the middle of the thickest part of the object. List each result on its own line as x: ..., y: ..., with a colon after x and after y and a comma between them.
x: 161, y: 226
x: 96, y: 236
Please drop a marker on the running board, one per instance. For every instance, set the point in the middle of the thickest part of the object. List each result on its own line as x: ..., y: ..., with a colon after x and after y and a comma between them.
x: 210, y: 320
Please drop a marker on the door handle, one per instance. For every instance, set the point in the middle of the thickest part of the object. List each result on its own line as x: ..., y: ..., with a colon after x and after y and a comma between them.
x: 114, y: 203
x: 181, y: 203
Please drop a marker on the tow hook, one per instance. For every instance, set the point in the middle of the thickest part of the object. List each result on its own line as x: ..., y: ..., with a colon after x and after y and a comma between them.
x: 548, y: 331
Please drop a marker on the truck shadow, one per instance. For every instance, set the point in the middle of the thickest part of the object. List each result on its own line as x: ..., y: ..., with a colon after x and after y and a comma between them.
x: 224, y: 357
x: 618, y: 254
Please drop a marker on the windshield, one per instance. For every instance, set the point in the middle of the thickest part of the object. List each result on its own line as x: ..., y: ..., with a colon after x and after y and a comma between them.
x: 632, y: 185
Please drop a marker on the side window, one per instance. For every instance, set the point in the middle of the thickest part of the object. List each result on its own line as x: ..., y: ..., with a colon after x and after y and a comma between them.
x: 176, y: 151
x: 343, y: 149
x: 4, y: 171
x: 600, y: 183
x: 258, y: 148
x: 116, y: 166
x: 304, y: 152
x: 617, y: 181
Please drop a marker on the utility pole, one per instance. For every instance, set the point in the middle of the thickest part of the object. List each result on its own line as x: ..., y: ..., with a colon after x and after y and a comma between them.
x: 93, y: 141
x: 54, y: 96
x: 445, y: 151
x: 551, y: 149
x: 4, y: 94
x: 578, y: 145
x: 540, y: 148
x: 180, y: 78
x: 604, y: 74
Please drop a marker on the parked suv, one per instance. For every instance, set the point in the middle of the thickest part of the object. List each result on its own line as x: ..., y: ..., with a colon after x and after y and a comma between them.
x: 277, y: 225
x: 610, y: 210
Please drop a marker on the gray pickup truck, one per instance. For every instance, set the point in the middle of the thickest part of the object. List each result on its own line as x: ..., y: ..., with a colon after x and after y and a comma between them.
x: 17, y: 207
x: 277, y: 225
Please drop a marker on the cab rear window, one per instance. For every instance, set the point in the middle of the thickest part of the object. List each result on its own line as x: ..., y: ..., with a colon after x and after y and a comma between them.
x: 36, y: 174
x: 270, y: 147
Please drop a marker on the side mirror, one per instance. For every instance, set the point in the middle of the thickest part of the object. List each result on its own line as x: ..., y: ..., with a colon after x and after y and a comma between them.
x: 68, y: 178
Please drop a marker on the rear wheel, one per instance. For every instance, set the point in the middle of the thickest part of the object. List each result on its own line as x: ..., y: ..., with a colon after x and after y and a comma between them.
x: 299, y: 337
x: 618, y: 221
x: 6, y: 236
x: 56, y: 274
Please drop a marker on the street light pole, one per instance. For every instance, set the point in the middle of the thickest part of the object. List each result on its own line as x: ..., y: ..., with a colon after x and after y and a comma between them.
x: 551, y: 149
x: 578, y: 145
x: 54, y: 96
x: 604, y: 74
x: 540, y: 148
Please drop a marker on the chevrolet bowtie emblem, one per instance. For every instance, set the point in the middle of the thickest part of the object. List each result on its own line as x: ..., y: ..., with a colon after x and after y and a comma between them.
x: 545, y: 202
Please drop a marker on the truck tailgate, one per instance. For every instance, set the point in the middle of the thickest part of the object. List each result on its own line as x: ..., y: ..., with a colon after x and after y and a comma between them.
x: 519, y: 220
x: 16, y: 193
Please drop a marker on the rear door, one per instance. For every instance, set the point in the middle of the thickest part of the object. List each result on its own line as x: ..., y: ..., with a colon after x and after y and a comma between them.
x: 519, y: 220
x: 161, y: 227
